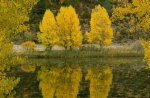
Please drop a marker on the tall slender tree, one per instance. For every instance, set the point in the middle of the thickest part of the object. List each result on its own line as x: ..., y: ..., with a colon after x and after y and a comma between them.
x: 48, y: 29
x: 101, y: 31
x: 69, y: 28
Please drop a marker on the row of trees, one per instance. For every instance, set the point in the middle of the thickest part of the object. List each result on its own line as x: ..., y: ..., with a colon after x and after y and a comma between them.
x: 124, y: 17
x: 130, y: 18
x: 124, y: 29
x: 65, y: 30
x: 83, y: 8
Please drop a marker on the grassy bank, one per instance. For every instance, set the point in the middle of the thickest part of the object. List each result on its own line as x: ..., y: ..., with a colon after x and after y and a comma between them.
x: 85, y: 53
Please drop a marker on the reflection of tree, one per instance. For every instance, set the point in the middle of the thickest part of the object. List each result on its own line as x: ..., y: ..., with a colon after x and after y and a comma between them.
x: 60, y: 82
x: 7, y: 85
x: 48, y: 81
x: 100, y: 81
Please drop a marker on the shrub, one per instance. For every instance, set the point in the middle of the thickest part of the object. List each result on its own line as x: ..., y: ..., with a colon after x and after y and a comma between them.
x: 29, y: 45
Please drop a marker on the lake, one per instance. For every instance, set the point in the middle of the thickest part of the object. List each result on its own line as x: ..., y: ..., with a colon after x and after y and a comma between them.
x: 84, y: 78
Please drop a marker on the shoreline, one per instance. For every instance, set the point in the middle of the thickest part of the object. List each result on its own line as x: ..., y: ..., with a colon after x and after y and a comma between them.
x: 107, y: 53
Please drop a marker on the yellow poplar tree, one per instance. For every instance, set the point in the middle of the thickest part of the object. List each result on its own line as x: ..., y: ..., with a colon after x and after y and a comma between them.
x: 69, y: 28
x: 101, y: 31
x: 48, y: 35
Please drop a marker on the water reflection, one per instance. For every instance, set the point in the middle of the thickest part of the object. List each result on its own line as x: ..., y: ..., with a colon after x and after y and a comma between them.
x: 130, y: 78
x: 64, y: 81
x: 100, y: 81
x: 60, y: 82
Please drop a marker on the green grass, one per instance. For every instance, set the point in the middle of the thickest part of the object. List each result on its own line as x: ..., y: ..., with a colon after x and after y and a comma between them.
x: 86, y: 53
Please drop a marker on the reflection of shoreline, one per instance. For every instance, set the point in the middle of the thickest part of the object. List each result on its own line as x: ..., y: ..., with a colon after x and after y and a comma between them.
x: 100, y: 81
x: 87, y: 61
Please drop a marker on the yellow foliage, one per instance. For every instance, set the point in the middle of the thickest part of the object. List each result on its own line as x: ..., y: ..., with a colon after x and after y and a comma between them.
x: 120, y: 13
x: 14, y: 13
x: 48, y: 35
x: 5, y: 45
x: 7, y: 84
x: 132, y: 30
x: 89, y: 37
x: 101, y: 30
x: 141, y: 9
x: 69, y: 28
x: 120, y: 2
x: 7, y: 61
x: 29, y: 45
x: 146, y: 46
x: 61, y: 82
x: 14, y: 17
x: 138, y: 10
x: 100, y: 81
x: 65, y: 31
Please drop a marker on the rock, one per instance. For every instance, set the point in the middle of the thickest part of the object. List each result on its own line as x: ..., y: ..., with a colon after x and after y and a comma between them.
x: 40, y: 48
x: 57, y: 47
x: 90, y: 46
x: 137, y: 45
x: 18, y: 48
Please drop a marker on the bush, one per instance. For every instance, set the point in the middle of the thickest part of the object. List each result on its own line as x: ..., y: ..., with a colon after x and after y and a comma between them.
x: 29, y: 45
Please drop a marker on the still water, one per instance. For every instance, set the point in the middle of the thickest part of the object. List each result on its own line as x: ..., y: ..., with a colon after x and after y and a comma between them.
x: 84, y: 78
